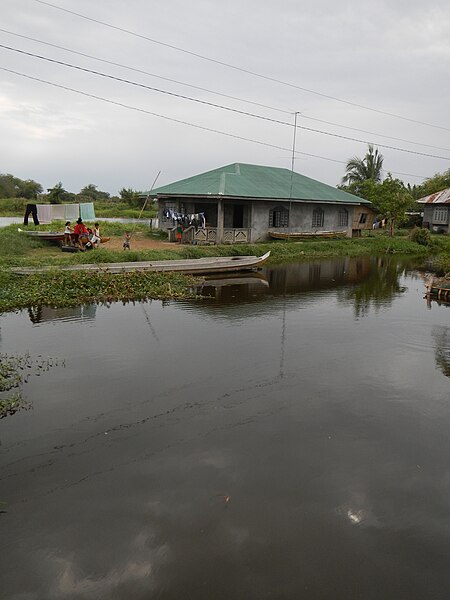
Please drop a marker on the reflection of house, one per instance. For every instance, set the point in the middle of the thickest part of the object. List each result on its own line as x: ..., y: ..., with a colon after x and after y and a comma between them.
x: 242, y: 203
x: 290, y: 279
x: 436, y: 208
x: 46, y: 314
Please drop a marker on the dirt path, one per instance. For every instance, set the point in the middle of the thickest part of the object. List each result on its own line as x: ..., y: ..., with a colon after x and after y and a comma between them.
x: 140, y: 242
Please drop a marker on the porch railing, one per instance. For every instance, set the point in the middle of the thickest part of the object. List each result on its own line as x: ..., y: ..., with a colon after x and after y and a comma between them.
x: 208, y: 235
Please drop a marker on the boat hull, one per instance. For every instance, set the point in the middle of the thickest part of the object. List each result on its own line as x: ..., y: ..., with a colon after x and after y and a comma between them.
x: 48, y: 236
x: 198, y: 266
x: 306, y: 235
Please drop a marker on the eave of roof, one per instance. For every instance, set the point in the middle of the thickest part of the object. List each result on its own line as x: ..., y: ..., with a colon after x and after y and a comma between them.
x: 442, y: 197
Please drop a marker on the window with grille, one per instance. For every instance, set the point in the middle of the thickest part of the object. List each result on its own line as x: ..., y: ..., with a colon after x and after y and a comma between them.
x: 440, y: 215
x: 318, y: 217
x: 343, y: 217
x: 279, y: 217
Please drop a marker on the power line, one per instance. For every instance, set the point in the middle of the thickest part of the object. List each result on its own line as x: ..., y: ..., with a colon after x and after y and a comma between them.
x: 241, y: 69
x: 220, y: 106
x: 116, y: 64
x: 148, y: 112
x: 179, y: 121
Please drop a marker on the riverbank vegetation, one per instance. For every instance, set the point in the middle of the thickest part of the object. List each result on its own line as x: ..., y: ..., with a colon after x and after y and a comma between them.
x: 58, y: 288
x: 16, y: 193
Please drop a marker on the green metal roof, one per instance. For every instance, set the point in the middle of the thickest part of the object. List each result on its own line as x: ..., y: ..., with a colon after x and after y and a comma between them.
x: 254, y: 181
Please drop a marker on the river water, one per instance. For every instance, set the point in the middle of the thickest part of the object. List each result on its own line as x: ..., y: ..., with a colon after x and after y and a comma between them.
x: 286, y: 437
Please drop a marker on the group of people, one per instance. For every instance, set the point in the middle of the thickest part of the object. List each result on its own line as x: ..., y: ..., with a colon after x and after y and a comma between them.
x: 82, y: 237
x: 85, y: 238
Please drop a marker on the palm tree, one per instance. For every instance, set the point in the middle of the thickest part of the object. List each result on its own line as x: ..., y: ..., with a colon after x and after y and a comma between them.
x: 363, y: 169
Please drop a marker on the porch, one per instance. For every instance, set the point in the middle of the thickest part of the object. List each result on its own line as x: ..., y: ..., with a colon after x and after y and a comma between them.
x: 209, y: 235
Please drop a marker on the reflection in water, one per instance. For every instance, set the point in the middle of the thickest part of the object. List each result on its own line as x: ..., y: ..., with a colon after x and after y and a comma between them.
x: 46, y: 314
x: 364, y: 282
x: 290, y: 279
x: 378, y: 289
x: 441, y: 338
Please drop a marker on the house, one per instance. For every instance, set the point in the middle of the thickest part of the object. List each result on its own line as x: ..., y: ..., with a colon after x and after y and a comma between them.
x: 436, y: 208
x: 243, y: 203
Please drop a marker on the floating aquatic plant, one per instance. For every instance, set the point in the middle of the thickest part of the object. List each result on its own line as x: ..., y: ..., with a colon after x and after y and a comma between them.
x: 15, y: 372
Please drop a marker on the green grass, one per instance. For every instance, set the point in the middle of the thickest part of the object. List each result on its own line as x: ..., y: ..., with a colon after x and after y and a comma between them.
x: 13, y: 207
x: 66, y: 289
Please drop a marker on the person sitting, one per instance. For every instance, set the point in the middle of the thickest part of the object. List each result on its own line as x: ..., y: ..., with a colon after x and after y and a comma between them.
x: 95, y: 237
x: 81, y: 233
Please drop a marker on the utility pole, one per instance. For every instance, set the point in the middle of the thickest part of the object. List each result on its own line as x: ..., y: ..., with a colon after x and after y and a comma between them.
x: 292, y: 172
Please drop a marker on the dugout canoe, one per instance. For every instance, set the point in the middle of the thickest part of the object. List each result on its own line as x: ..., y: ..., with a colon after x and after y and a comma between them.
x: 194, y: 266
x: 306, y: 235
x: 49, y: 236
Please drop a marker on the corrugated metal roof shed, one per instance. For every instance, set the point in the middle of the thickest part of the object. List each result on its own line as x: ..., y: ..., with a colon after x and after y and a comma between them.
x: 442, y: 197
x: 253, y: 181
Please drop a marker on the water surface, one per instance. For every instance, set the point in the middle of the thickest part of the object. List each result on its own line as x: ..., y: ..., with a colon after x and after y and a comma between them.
x: 285, y: 437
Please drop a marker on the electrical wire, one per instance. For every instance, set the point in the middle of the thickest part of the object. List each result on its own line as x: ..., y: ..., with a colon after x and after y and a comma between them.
x: 259, y: 104
x: 136, y: 70
x: 220, y: 106
x: 241, y: 69
x: 179, y: 121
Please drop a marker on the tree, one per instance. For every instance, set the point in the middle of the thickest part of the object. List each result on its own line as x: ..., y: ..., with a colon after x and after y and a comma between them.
x: 130, y: 196
x: 359, y: 170
x: 8, y: 186
x: 30, y: 189
x: 14, y: 187
x: 92, y: 193
x: 58, y: 194
x: 439, y: 181
x: 392, y: 199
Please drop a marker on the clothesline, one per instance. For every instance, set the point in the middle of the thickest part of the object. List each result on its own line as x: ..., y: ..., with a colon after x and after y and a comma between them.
x: 196, y: 219
x: 46, y: 213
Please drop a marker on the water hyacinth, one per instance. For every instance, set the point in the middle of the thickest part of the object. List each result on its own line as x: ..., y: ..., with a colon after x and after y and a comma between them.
x: 15, y: 372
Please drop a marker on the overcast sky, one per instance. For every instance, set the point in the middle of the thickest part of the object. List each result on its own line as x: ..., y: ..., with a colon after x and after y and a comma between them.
x: 392, y: 56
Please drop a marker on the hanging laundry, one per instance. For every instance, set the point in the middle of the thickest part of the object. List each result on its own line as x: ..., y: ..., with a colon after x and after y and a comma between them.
x: 58, y: 212
x: 31, y: 210
x: 71, y: 212
x: 87, y: 211
x: 44, y: 213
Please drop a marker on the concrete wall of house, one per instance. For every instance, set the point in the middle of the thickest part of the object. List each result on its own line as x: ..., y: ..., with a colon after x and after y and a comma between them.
x: 436, y: 225
x: 300, y: 219
x: 256, y: 215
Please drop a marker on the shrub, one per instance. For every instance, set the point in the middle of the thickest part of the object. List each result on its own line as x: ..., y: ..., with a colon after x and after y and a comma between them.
x: 421, y: 236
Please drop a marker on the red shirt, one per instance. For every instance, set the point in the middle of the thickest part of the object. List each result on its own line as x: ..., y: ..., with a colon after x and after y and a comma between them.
x: 79, y: 229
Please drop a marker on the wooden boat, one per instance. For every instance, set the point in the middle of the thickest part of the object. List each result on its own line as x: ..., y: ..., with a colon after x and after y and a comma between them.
x: 305, y: 235
x: 49, y: 236
x: 195, y: 266
x: 54, y: 236
x: 439, y: 289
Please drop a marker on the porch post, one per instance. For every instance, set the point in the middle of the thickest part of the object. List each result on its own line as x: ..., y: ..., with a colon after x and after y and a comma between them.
x: 219, y: 238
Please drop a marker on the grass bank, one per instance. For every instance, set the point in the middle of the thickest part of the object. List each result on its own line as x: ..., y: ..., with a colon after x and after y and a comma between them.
x: 67, y: 289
